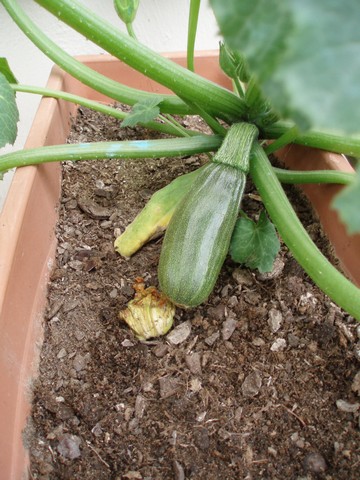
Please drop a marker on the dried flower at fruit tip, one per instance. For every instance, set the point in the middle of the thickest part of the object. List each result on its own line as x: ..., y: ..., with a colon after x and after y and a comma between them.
x: 150, y: 314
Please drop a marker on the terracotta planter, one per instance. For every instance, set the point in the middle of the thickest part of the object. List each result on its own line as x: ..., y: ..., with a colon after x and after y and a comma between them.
x: 347, y: 247
x: 27, y: 241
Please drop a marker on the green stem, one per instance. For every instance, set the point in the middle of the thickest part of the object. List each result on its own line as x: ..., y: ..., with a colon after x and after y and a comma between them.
x: 215, y: 126
x: 238, y: 87
x: 192, y: 27
x: 330, y: 280
x: 325, y: 141
x: 130, y: 30
x: 288, y: 137
x: 168, y: 119
x: 314, y: 176
x: 98, y: 107
x: 236, y: 148
x: 181, y: 81
x: 173, y: 147
x: 86, y: 75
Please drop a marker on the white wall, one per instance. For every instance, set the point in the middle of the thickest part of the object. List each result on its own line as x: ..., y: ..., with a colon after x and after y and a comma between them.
x: 160, y: 24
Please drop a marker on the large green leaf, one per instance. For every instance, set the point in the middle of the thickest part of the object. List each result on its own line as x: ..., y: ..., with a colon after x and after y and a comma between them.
x: 305, y: 53
x: 9, y: 114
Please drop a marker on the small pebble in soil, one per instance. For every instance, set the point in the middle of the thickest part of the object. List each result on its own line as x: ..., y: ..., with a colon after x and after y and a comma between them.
x: 54, y: 309
x: 93, y: 210
x: 193, y: 362
x: 201, y: 417
x: 62, y: 353
x: 307, y: 303
x: 293, y: 340
x: 133, y: 475
x: 211, y: 339
x: 97, y: 430
x: 161, y: 350
x: 275, y: 319
x: 298, y: 440
x: 252, y: 384
x: 357, y: 351
x: 258, y: 342
x: 80, y: 362
x: 355, y: 386
x: 272, y: 451
x: 202, y: 439
x: 195, y: 385
x: 68, y: 446
x: 347, y: 407
x: 276, y: 271
x: 242, y: 277
x: 228, y: 328
x: 218, y: 312
x: 140, y: 406
x: 179, y: 473
x: 180, y: 333
x: 278, y: 345
x: 168, y: 386
x: 314, y: 462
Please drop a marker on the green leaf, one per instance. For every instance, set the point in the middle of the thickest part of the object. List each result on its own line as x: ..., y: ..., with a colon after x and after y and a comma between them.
x: 126, y: 9
x: 255, y: 244
x: 143, y: 112
x: 6, y: 71
x: 305, y: 54
x: 347, y: 204
x: 9, y: 114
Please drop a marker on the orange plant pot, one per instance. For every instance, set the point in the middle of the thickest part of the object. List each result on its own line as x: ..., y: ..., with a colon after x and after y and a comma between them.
x: 27, y: 240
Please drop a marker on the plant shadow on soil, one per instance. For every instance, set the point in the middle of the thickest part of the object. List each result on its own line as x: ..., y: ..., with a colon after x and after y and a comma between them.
x: 252, y: 389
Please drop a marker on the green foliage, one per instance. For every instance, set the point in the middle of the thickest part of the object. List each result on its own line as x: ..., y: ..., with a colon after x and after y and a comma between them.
x: 348, y: 206
x: 126, y: 9
x: 233, y: 63
x: 298, y: 59
x: 255, y: 244
x: 143, y: 112
x: 305, y: 54
x: 6, y: 71
x: 9, y: 114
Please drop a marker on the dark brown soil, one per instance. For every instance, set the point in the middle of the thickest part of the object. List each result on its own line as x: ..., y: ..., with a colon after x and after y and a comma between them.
x: 263, y: 384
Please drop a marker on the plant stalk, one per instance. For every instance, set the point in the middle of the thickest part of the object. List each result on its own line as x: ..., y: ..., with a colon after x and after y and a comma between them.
x: 313, y: 176
x: 192, y: 27
x: 99, y: 107
x: 325, y: 275
x: 88, y: 76
x: 173, y: 147
x: 325, y: 141
x: 181, y: 81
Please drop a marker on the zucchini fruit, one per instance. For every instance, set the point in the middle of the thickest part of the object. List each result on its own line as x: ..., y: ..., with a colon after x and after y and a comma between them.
x: 198, y: 236
x: 153, y: 219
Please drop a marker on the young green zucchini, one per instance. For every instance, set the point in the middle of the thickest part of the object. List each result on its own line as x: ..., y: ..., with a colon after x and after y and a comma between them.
x: 198, y: 236
x: 153, y: 219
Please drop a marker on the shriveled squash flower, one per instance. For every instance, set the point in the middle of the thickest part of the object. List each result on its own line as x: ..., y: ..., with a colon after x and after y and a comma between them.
x: 150, y: 314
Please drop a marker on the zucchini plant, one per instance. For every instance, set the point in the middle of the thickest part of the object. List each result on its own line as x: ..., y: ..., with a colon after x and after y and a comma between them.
x: 295, y: 69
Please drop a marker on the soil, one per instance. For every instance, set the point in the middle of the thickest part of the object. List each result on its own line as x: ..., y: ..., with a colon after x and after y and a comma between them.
x: 260, y: 382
